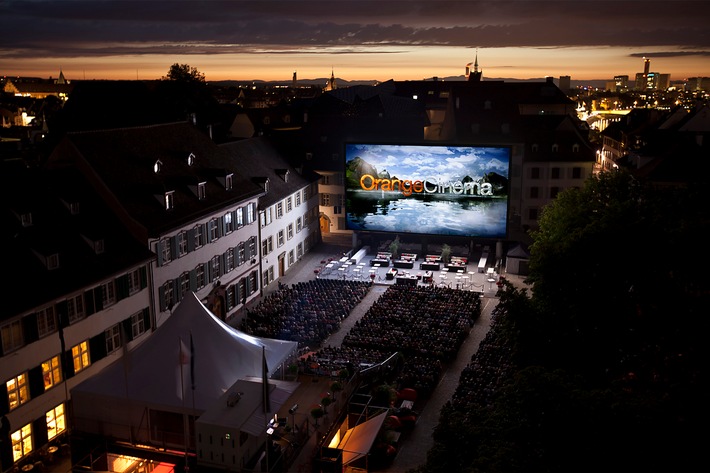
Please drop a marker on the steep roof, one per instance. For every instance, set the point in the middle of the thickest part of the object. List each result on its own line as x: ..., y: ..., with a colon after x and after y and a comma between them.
x: 62, y: 216
x: 259, y: 158
x: 123, y: 162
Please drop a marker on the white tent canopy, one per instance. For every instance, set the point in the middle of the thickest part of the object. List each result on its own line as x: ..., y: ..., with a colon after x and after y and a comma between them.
x: 158, y: 374
x: 358, y: 441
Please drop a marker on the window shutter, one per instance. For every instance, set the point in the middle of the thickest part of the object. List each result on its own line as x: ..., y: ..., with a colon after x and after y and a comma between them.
x: 193, y: 280
x: 29, y: 328
x: 35, y: 380
x: 89, y: 302
x: 143, y: 277
x: 173, y: 247
x: 159, y: 251
x: 121, y: 287
x: 146, y: 319
x: 191, y: 240
x: 39, y: 431
x: 161, y: 299
x: 97, y: 347
x: 127, y: 330
x: 62, y: 317
x: 4, y: 401
x: 98, y: 299
x: 176, y: 289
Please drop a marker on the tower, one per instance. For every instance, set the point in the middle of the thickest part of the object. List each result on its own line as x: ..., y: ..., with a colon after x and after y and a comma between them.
x: 475, y: 75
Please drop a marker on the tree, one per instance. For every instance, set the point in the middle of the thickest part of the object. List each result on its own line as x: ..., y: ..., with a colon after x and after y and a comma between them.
x: 184, y: 73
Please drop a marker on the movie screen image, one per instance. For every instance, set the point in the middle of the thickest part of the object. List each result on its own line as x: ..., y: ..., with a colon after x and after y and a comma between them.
x: 427, y: 189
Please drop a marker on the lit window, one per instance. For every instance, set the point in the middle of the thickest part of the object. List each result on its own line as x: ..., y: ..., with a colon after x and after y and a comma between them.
x: 21, y: 442
x: 80, y: 356
x: 228, y: 223
x: 56, y: 423
x: 201, y: 190
x: 200, y: 276
x: 17, y: 391
x: 251, y: 212
x: 52, y: 372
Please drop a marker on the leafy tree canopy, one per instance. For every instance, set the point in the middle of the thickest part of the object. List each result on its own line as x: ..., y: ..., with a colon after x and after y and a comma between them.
x: 184, y: 73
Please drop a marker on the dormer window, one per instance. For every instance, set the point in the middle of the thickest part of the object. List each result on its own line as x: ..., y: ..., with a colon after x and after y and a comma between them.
x: 26, y: 219
x: 283, y: 174
x: 169, y: 202
x: 191, y: 159
x: 228, y: 181
x: 534, y: 148
x: 555, y: 148
x: 53, y: 261
x: 575, y: 148
x: 96, y: 244
x: 201, y: 190
x: 157, y: 166
x: 72, y: 206
x: 487, y: 105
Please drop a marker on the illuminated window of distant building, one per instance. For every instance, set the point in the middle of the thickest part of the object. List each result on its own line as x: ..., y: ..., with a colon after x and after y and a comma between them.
x: 46, y: 321
x: 52, y: 372
x: 113, y: 338
x: 56, y: 423
x: 17, y: 391
x: 80, y: 356
x: 21, y: 442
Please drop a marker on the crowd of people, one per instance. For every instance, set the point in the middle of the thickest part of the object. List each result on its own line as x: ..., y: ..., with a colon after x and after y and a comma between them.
x: 488, y: 369
x: 425, y: 324
x: 307, y: 312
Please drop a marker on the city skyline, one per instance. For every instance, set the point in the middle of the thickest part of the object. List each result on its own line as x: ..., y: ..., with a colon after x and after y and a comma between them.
x: 355, y: 40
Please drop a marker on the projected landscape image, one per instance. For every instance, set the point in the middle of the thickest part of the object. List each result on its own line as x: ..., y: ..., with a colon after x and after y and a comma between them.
x: 427, y: 189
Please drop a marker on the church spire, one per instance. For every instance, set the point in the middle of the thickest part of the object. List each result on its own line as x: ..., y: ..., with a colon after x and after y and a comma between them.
x: 475, y: 75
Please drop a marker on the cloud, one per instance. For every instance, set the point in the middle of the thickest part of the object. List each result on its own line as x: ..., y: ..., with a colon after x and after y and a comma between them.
x: 115, y: 27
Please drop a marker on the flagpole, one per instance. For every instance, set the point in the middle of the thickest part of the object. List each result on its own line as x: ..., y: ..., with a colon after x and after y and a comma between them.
x: 266, y: 401
x: 181, y: 360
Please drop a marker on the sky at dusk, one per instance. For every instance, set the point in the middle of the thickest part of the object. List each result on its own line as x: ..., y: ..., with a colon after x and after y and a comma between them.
x: 356, y: 40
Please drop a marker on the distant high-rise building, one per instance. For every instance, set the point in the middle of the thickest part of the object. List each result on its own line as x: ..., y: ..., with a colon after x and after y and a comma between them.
x: 647, y: 80
x: 294, y: 80
x: 621, y: 84
x: 565, y: 83
x: 699, y: 83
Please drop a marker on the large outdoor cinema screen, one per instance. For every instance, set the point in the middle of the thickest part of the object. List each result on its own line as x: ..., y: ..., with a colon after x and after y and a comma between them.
x: 427, y: 189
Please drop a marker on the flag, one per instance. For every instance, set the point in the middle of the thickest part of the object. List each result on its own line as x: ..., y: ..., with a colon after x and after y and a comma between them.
x: 265, y: 382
